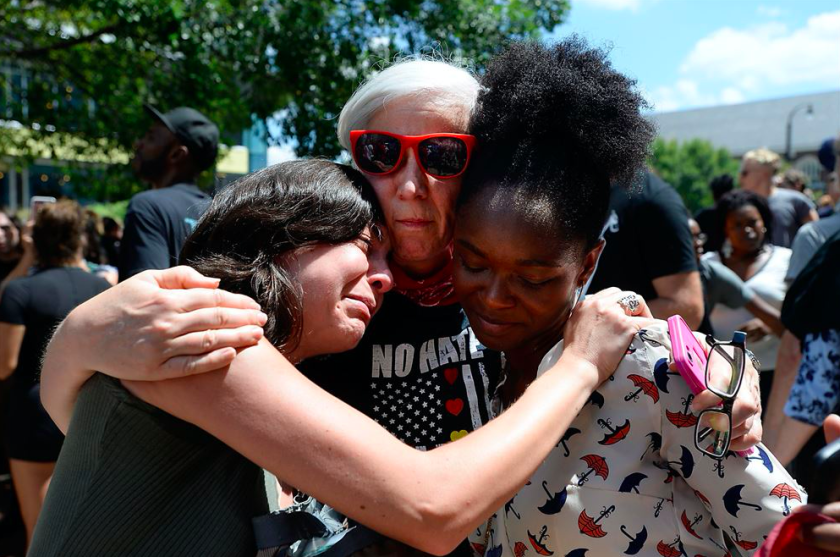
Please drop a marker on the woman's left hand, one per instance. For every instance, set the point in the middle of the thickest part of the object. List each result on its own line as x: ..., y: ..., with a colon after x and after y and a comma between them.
x: 746, y: 412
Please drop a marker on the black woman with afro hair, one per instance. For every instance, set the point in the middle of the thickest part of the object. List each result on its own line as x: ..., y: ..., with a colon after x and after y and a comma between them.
x: 556, y: 126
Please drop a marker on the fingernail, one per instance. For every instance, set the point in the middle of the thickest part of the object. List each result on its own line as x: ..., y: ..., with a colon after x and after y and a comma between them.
x: 263, y: 317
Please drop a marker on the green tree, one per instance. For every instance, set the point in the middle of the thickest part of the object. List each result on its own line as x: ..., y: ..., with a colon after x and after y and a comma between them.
x: 690, y: 166
x: 91, y: 64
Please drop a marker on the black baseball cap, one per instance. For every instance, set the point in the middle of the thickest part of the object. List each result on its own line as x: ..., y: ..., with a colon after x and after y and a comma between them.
x: 193, y: 129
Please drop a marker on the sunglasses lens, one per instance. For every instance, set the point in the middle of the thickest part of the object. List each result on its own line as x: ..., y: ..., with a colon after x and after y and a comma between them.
x: 377, y: 153
x: 443, y: 156
x: 714, y: 429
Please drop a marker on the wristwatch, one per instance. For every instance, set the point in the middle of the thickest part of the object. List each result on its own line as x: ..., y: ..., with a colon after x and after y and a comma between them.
x: 756, y: 364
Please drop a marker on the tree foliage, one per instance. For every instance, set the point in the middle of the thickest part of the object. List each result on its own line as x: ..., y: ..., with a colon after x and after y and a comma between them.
x: 690, y: 166
x: 91, y: 64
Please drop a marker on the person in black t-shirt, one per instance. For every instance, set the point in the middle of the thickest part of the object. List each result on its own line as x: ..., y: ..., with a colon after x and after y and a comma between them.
x: 650, y: 250
x: 30, y: 310
x: 177, y: 147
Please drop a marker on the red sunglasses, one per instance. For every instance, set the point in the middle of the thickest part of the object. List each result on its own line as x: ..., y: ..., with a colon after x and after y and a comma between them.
x: 441, y: 155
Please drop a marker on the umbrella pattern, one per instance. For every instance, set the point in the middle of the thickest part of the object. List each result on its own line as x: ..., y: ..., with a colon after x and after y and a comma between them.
x: 690, y: 524
x: 743, y: 544
x: 509, y: 508
x: 785, y: 492
x: 599, y: 493
x: 631, y: 482
x: 589, y: 526
x: 657, y: 508
x: 614, y: 435
x: 661, y: 374
x: 684, y: 418
x: 685, y: 463
x: 596, y: 399
x: 764, y: 458
x: 673, y: 549
x: 597, y: 464
x: 704, y: 500
x: 733, y: 503
x: 538, y: 543
x: 654, y: 445
x: 555, y: 501
x: 570, y: 432
x: 643, y: 385
x: 636, y: 542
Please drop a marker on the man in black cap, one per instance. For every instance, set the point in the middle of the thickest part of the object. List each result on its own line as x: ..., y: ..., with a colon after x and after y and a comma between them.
x: 176, y: 148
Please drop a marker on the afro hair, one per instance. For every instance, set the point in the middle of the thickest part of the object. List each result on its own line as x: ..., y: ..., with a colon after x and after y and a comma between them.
x: 556, y: 127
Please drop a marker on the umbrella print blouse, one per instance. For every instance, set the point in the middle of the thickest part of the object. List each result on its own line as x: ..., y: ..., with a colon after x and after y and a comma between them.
x: 626, y: 478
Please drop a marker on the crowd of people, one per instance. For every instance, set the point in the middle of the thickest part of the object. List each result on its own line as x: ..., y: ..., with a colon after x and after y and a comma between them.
x: 456, y: 345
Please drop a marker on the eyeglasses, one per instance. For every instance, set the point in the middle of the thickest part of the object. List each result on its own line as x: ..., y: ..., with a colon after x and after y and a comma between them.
x: 701, y: 238
x: 715, y: 424
x: 441, y: 155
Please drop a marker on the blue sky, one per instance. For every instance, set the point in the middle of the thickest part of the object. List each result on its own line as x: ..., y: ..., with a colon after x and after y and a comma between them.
x: 691, y: 53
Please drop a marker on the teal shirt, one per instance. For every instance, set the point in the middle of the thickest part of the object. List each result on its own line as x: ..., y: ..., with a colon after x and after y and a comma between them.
x: 134, y: 480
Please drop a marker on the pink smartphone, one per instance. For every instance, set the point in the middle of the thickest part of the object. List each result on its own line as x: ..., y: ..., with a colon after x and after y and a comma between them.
x: 689, y: 355
x: 690, y: 358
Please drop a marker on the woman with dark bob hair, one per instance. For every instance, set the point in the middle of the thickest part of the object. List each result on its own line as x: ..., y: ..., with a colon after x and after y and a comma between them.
x: 301, y: 239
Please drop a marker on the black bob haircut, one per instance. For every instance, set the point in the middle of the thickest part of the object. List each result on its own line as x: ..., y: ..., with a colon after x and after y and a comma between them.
x: 736, y: 199
x: 556, y: 127
x: 254, y: 225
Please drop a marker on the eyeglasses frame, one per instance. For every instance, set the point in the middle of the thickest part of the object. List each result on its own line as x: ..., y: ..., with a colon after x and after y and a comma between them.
x: 410, y: 142
x: 727, y: 399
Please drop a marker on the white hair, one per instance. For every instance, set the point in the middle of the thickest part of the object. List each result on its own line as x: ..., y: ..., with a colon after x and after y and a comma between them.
x: 433, y: 80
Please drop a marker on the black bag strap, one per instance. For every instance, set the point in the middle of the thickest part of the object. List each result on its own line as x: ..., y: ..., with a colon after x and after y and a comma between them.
x: 275, y: 532
x: 357, y: 538
x: 282, y: 529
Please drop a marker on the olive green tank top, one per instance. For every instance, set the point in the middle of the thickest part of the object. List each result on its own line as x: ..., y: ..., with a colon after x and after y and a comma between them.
x: 134, y: 480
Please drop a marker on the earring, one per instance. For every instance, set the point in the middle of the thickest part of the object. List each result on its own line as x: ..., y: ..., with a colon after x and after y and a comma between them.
x: 578, y: 293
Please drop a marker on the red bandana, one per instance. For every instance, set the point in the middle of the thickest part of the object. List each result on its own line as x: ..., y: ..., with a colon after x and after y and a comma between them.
x: 436, y: 290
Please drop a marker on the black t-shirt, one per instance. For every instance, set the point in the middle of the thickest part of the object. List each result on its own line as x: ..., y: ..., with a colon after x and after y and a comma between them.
x: 41, y: 302
x: 7, y: 267
x: 157, y: 224
x: 647, y: 237
x: 419, y: 372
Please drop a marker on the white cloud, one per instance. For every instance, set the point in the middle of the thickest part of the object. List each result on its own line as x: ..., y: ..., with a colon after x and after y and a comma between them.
x: 731, y: 95
x: 769, y: 11
x: 686, y: 92
x: 729, y: 64
x: 614, y: 5
x: 770, y: 54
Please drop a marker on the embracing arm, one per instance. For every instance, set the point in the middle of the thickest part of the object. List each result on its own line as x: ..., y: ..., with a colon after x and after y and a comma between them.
x: 265, y: 409
x: 146, y: 327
